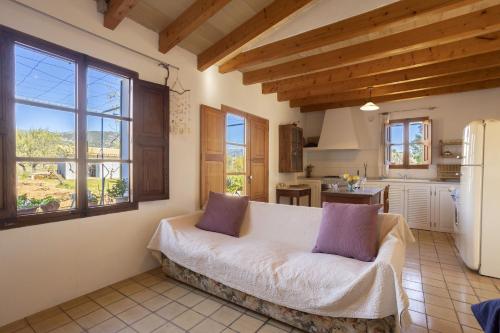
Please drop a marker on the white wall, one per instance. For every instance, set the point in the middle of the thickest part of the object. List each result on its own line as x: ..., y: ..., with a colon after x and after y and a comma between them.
x: 41, y: 266
x: 451, y: 115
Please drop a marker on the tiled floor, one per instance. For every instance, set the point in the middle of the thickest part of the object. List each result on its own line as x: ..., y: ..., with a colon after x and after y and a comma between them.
x: 440, y: 289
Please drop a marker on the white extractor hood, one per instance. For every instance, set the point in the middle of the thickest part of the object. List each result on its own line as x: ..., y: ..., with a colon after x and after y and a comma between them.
x: 338, y: 131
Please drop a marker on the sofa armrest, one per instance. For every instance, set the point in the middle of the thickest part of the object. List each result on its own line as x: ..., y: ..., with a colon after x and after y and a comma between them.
x: 184, y: 220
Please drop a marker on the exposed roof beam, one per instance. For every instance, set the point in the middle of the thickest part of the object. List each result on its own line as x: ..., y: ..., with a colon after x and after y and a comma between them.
x: 193, y: 17
x: 407, y: 95
x: 437, y: 54
x: 443, y: 81
x: 117, y: 10
x: 260, y: 22
x: 460, y: 27
x: 351, y: 27
x: 475, y: 62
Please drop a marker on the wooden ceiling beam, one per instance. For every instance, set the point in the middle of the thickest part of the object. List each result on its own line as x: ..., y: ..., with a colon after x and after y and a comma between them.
x: 456, y: 50
x: 260, y: 22
x: 365, y: 23
x: 407, y: 95
x: 453, y: 29
x: 443, y: 81
x: 117, y: 11
x: 475, y: 62
x: 193, y: 17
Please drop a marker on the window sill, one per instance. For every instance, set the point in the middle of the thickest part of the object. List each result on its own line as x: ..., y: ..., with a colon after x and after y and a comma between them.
x: 38, y: 219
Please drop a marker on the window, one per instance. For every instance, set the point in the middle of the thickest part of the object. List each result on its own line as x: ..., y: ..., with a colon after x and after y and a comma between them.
x: 66, y: 143
x: 236, y: 152
x: 408, y: 143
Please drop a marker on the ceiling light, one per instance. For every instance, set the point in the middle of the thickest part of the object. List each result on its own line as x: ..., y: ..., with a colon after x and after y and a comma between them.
x: 369, y: 106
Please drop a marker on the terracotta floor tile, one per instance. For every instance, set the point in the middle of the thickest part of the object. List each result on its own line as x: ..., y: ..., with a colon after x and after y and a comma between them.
x: 417, y: 306
x: 438, y: 300
x: 418, y: 318
x: 83, y: 309
x: 94, y: 318
x: 441, y: 312
x: 51, y: 323
x: 436, y: 291
x: 14, y: 326
x: 460, y: 288
x: 468, y: 320
x: 463, y: 297
x: 416, y: 295
x: 462, y: 307
x: 149, y: 323
x: 443, y: 326
x: 43, y: 315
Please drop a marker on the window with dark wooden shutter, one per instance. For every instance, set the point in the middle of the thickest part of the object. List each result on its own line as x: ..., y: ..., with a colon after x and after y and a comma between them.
x: 151, y: 141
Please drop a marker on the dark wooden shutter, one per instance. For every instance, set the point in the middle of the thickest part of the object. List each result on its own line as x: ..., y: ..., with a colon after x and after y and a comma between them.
x: 151, y: 141
x: 7, y: 130
x: 212, y: 137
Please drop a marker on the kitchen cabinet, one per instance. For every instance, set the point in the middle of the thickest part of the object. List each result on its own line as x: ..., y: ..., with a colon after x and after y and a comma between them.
x: 417, y: 205
x: 290, y: 148
x: 426, y: 206
x: 443, y: 208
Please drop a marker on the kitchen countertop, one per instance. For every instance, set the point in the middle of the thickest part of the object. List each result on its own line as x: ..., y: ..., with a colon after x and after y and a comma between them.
x: 366, y: 192
x: 397, y: 180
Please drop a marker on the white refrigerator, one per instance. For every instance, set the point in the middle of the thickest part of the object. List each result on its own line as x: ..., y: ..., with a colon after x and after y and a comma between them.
x: 477, y: 228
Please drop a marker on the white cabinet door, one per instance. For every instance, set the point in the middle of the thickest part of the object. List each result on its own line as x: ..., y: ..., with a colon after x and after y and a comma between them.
x: 443, y: 209
x: 418, y: 206
x: 397, y: 198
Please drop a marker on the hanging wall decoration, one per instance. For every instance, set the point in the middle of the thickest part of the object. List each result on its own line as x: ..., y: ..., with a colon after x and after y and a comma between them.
x: 180, y: 106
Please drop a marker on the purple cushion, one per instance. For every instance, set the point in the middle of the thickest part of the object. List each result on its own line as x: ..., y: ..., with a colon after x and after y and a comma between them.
x: 348, y: 230
x: 224, y: 214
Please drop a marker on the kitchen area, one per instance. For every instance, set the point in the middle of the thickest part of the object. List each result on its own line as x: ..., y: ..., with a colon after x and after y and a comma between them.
x: 435, y: 161
x: 346, y: 142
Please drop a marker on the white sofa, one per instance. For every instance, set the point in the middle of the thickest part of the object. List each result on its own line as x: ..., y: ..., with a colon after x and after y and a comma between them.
x: 272, y: 261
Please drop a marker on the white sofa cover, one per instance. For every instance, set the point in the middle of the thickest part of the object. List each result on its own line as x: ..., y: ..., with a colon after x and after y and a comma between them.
x: 272, y: 260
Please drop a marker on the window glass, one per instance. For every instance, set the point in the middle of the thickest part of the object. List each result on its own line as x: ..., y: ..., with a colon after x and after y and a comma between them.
x: 416, y: 153
x: 45, y: 187
x: 416, y: 132
x: 44, y: 132
x: 235, y: 184
x: 42, y: 77
x: 235, y: 158
x: 107, y: 93
x: 108, y: 183
x: 107, y: 138
x: 397, y: 133
x: 235, y: 129
x: 397, y: 154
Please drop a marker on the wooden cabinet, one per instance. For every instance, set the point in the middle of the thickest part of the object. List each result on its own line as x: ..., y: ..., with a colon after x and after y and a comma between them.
x: 290, y: 150
x: 425, y: 206
x: 443, y: 208
x: 418, y: 206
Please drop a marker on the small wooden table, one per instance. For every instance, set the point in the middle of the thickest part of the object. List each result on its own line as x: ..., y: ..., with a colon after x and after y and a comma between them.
x: 370, y: 196
x: 293, y: 192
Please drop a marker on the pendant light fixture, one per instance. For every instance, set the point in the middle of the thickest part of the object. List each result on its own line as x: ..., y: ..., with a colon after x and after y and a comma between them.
x: 369, y: 106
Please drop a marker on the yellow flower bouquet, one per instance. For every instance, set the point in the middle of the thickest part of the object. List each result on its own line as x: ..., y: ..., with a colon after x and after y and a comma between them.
x: 351, y: 181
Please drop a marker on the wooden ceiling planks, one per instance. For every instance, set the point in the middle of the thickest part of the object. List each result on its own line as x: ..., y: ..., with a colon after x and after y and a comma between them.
x: 262, y: 21
x: 480, y: 61
x: 457, y: 28
x: 443, y: 81
x: 407, y: 95
x: 366, y: 23
x: 438, y: 54
x: 192, y: 18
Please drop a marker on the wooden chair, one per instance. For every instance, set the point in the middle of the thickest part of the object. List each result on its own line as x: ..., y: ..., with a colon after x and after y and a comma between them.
x: 386, y: 199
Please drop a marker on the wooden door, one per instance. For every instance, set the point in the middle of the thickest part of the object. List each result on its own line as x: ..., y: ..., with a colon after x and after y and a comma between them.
x: 258, y: 158
x: 418, y: 206
x: 213, y: 123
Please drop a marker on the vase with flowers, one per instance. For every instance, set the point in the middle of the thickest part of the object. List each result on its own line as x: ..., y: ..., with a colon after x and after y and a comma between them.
x: 351, y: 181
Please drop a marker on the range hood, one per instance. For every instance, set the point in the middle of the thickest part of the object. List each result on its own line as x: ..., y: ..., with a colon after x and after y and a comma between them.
x: 338, y: 131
